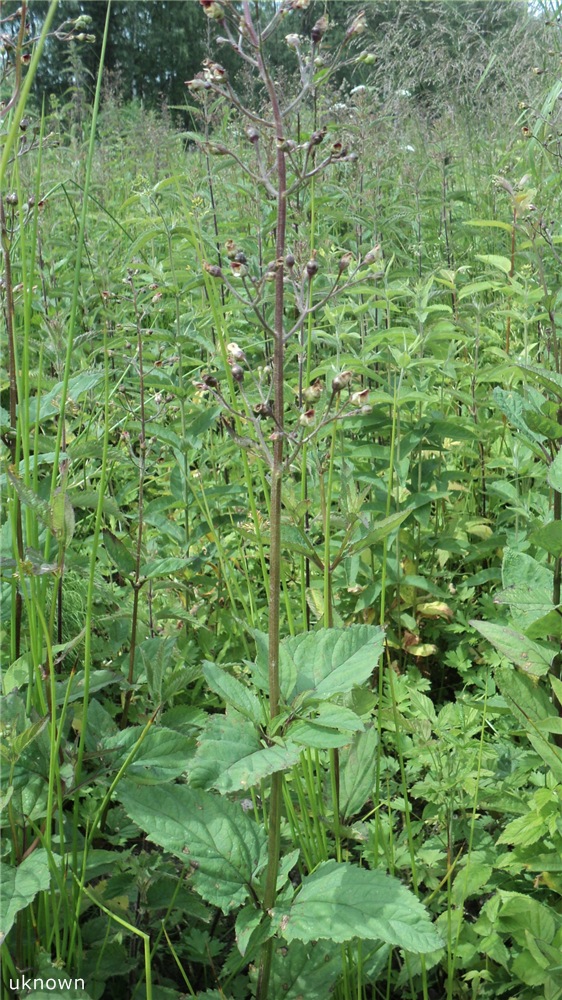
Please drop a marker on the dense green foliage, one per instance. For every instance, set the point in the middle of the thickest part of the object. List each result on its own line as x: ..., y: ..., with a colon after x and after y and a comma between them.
x: 415, y: 741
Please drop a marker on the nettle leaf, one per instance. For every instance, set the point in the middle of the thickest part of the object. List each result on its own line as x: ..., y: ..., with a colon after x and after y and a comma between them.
x: 341, y: 902
x: 357, y: 772
x: 233, y: 692
x: 554, y: 474
x: 329, y: 661
x: 250, y: 770
x: 20, y: 886
x: 230, y: 756
x: 531, y: 705
x: 549, y: 537
x: 305, y: 971
x: 227, y: 848
x: 382, y: 529
x: 225, y: 740
x: 156, y: 568
x: 120, y: 555
x: 525, y: 653
x: 163, y: 754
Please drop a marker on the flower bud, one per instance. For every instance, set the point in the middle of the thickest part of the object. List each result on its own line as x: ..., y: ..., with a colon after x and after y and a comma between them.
x: 289, y: 261
x: 12, y: 198
x: 319, y: 29
x: 230, y: 249
x: 293, y: 41
x: 264, y: 410
x: 235, y: 352
x: 212, y: 269
x: 237, y: 373
x: 198, y: 83
x: 252, y: 134
x: 373, y: 255
x: 217, y: 149
x: 307, y: 418
x: 359, y: 398
x: 338, y: 150
x: 317, y: 137
x: 357, y: 26
x: 313, y: 392
x: 213, y: 9
x: 210, y: 382
x: 312, y: 266
x: 341, y: 381
x: 238, y: 269
x: 345, y: 261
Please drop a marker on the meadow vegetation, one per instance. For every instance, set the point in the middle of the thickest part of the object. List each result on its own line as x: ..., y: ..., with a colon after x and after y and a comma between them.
x: 281, y: 415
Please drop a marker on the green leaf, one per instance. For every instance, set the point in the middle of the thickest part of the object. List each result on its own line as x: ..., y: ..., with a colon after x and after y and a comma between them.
x: 120, y: 555
x: 61, y: 519
x: 225, y: 740
x: 513, y: 405
x: 554, y: 474
x: 530, y: 705
x: 305, y: 971
x: 163, y: 567
x: 381, y: 530
x: 329, y: 661
x: 20, y: 886
x: 549, y: 537
x: 233, y: 692
x: 515, y: 646
x: 357, y: 772
x: 248, y: 771
x: 227, y: 848
x: 342, y: 902
x: 162, y: 756
x: 494, y: 260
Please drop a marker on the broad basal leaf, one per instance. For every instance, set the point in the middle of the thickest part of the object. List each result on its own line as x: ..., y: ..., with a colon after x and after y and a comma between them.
x: 305, y: 970
x: 357, y: 772
x: 20, y: 886
x: 515, y: 646
x: 233, y: 692
x: 330, y: 661
x: 225, y: 740
x: 342, y: 901
x: 531, y: 705
x: 162, y: 756
x: 225, y: 846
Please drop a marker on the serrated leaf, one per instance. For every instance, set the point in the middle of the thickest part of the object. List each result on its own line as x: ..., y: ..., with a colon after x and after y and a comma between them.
x: 513, y: 405
x: 495, y: 260
x: 554, y: 474
x: 516, y: 647
x: 329, y: 661
x: 305, y: 971
x: 342, y: 901
x: 530, y: 705
x: 20, y: 886
x: 549, y: 537
x: 248, y: 771
x: 381, y: 530
x: 163, y: 754
x: 159, y: 568
x: 233, y: 692
x: 357, y: 772
x: 225, y: 740
x: 119, y: 553
x: 228, y: 849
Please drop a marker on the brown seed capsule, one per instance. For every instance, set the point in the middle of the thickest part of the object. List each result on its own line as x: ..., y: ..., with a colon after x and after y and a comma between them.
x: 237, y: 373
x: 289, y: 261
x: 210, y: 381
x: 373, y: 255
x: 12, y: 198
x: 241, y: 257
x: 341, y: 381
